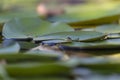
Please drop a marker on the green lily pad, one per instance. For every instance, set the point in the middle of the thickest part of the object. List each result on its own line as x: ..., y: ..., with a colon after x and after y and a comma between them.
x: 7, y: 16
x: 44, y: 78
x: 30, y: 56
x: 9, y: 46
x: 51, y: 54
x: 27, y: 45
x: 4, y: 17
x: 113, y: 35
x: 73, y: 35
x: 37, y: 70
x: 3, y: 73
x: 98, y: 60
x: 104, y: 44
x: 53, y: 42
x: 110, y: 28
x: 104, y: 65
x: 96, y: 52
x: 90, y: 14
x: 87, y: 29
x: 23, y: 28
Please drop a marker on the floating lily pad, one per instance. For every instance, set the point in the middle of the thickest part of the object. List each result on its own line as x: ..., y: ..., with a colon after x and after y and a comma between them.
x: 110, y: 28
x: 90, y: 61
x: 51, y: 54
x: 40, y: 56
x: 113, y: 35
x: 104, y: 44
x: 104, y: 65
x: 73, y: 35
x: 9, y: 46
x: 54, y: 42
x: 4, y: 17
x: 24, y: 28
x: 7, y: 16
x: 87, y: 29
x: 90, y: 14
x: 44, y: 78
x: 37, y: 70
x: 27, y: 45
x: 3, y: 73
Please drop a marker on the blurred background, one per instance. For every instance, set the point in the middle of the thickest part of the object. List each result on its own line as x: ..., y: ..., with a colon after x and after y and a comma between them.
x: 57, y: 7
x: 31, y: 5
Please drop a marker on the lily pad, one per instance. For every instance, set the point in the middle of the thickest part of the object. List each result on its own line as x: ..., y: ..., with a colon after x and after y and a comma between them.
x: 9, y: 46
x: 73, y: 35
x: 113, y: 35
x: 87, y: 29
x: 53, y: 42
x: 3, y: 73
x: 37, y: 70
x: 4, y: 17
x: 44, y: 78
x: 31, y: 56
x: 104, y: 65
x: 8, y: 15
x: 27, y: 45
x: 24, y: 28
x: 89, y: 14
x: 110, y: 28
x: 104, y: 44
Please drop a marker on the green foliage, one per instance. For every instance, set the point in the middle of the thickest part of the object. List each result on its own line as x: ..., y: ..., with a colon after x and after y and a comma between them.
x: 31, y: 27
x: 110, y: 28
x: 103, y: 44
x: 73, y: 35
x: 90, y: 14
x: 9, y: 46
x: 36, y: 49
